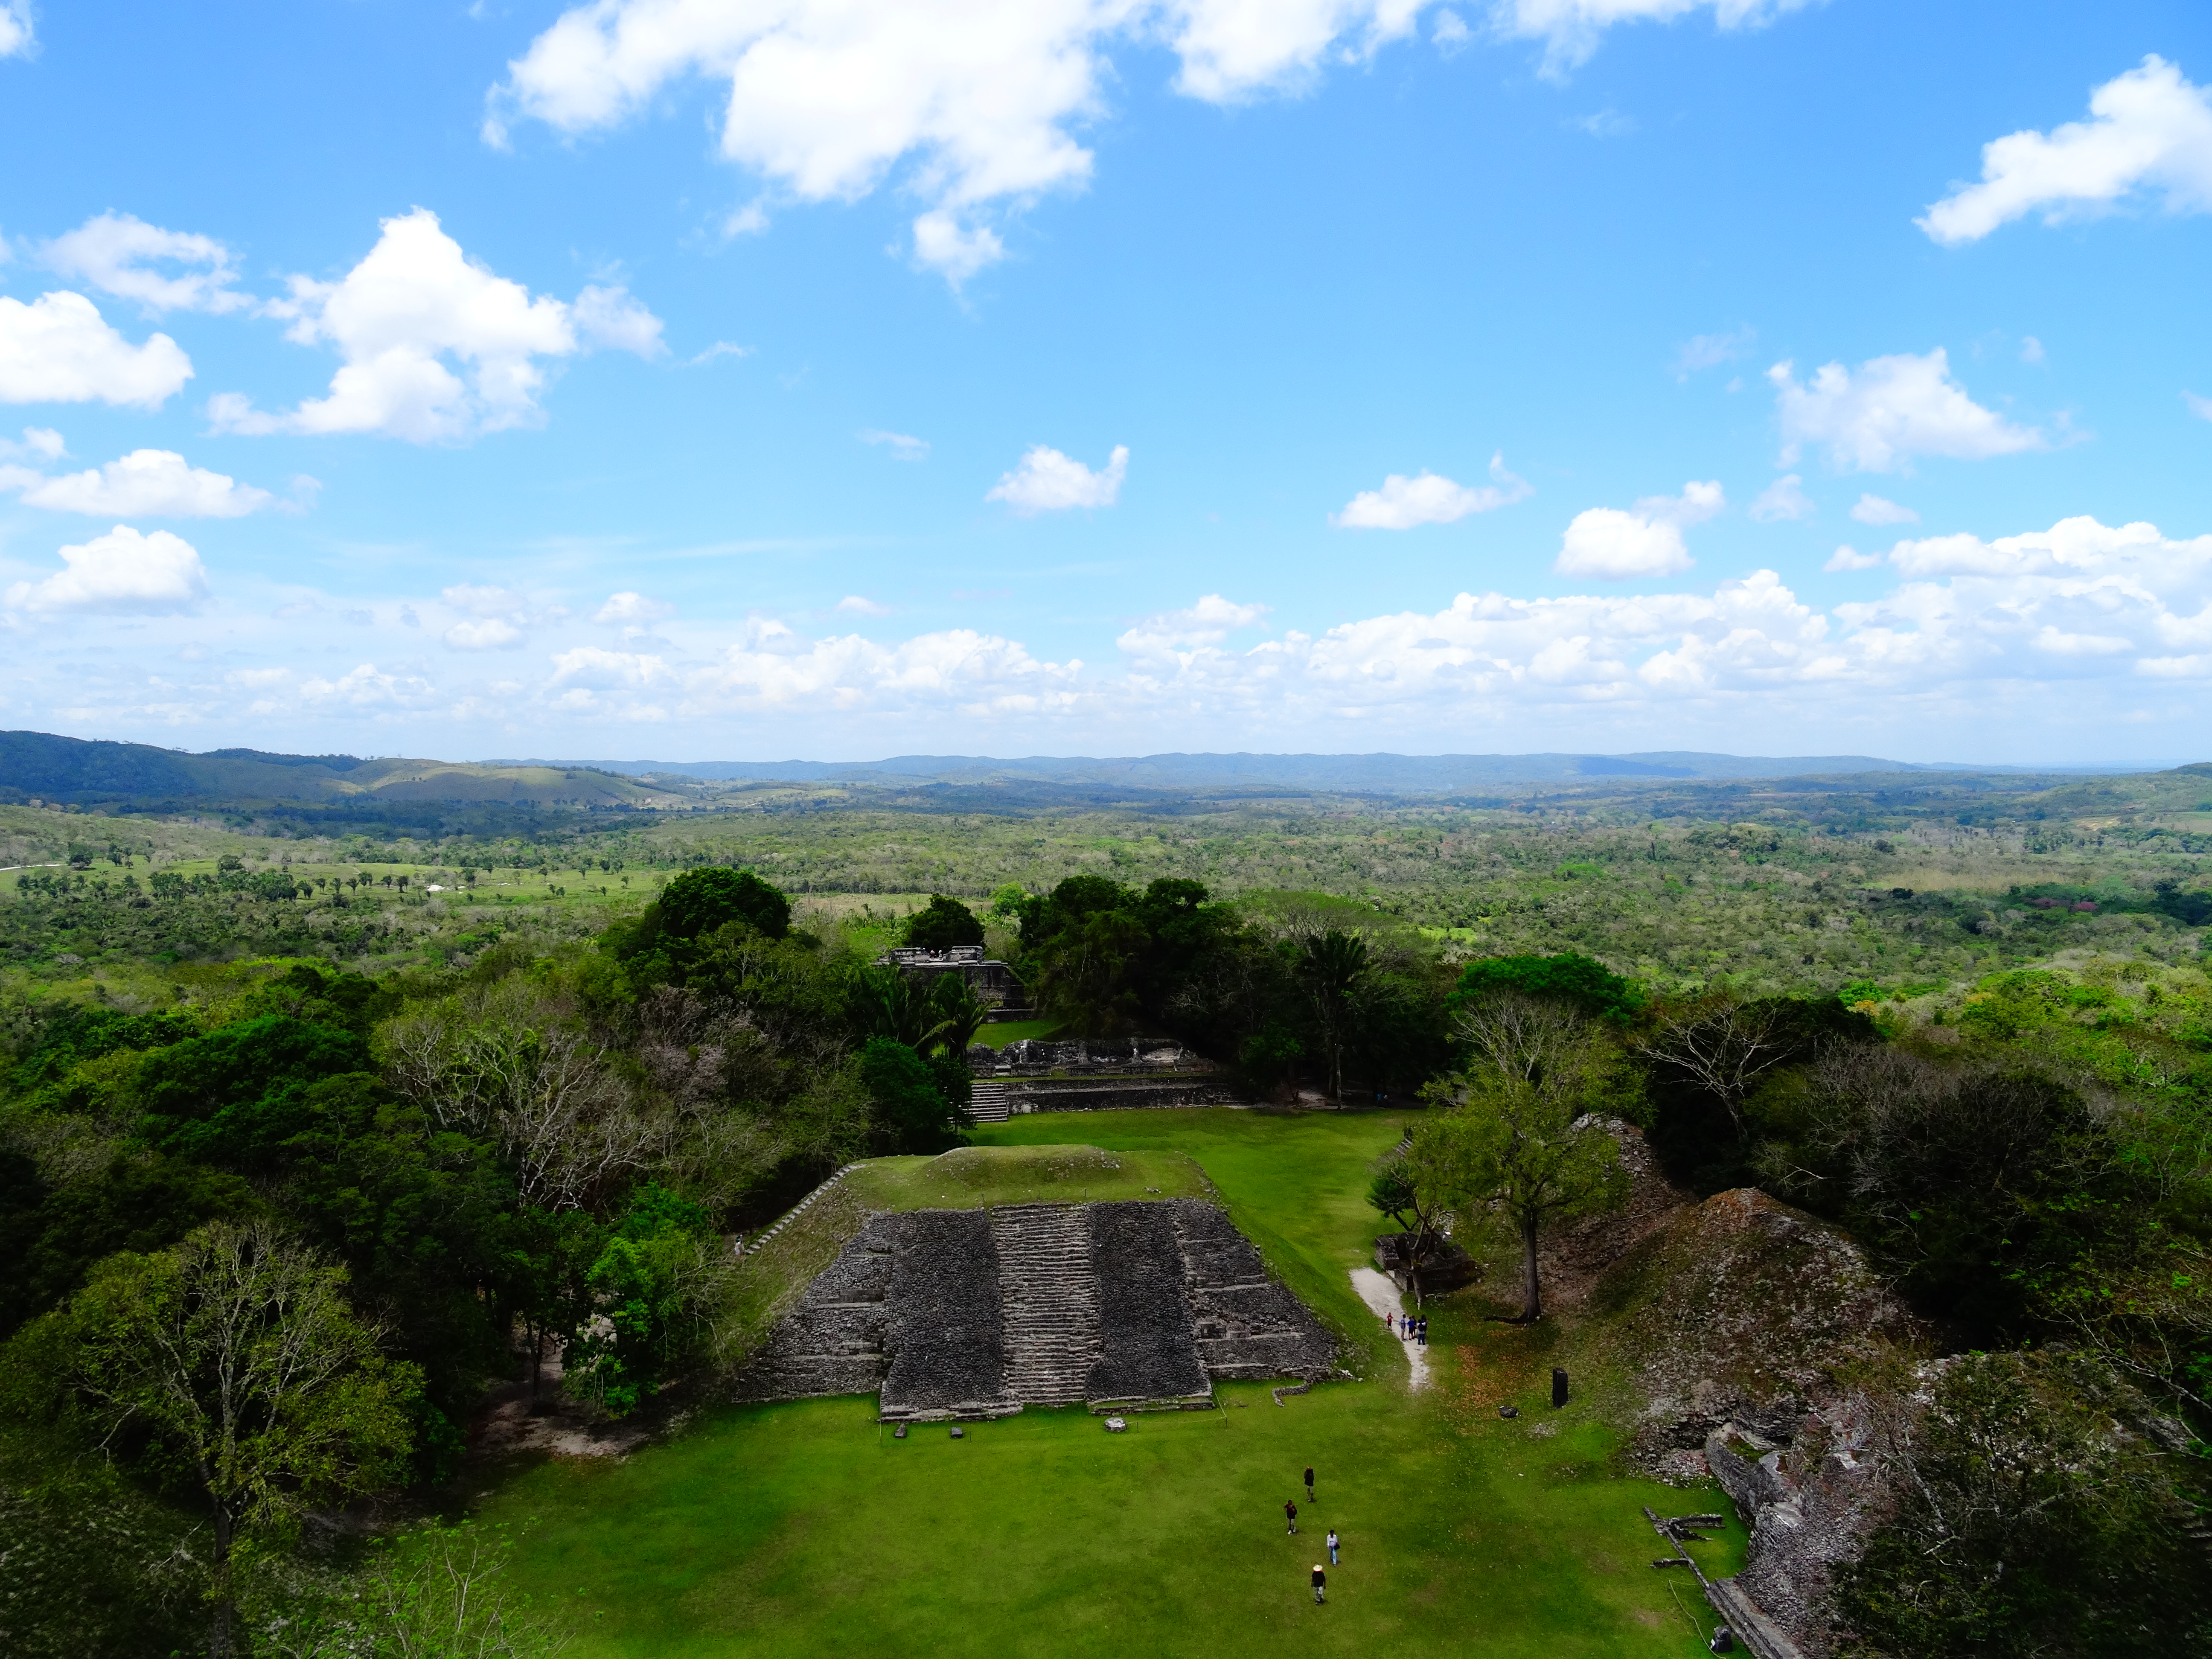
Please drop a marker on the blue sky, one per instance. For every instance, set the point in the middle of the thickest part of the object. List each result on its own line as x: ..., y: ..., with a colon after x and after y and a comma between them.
x: 746, y: 379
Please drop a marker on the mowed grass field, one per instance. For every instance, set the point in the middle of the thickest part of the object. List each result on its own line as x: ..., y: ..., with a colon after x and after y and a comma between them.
x: 806, y: 1528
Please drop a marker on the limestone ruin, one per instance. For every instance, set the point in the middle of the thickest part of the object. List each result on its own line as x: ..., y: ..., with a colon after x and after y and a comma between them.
x: 963, y: 1314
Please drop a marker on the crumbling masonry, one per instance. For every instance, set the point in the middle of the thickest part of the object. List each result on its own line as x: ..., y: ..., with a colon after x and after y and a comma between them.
x: 952, y: 1314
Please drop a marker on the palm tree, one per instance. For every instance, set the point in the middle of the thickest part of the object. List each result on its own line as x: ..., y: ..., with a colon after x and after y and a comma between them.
x: 1332, y: 967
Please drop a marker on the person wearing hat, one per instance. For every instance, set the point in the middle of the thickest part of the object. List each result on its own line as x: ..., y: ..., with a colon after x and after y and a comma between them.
x: 1321, y: 1584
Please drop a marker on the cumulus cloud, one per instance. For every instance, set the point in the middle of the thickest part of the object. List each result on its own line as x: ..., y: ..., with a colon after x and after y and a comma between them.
x: 162, y: 269
x: 147, y: 483
x: 39, y: 444
x: 60, y: 349
x: 632, y: 608
x: 829, y: 98
x: 490, y: 634
x: 860, y: 605
x: 368, y: 687
x: 123, y: 571
x: 1402, y: 503
x: 1873, y: 509
x: 433, y: 346
x: 1570, y: 29
x: 1878, y: 417
x: 1784, y: 498
x: 772, y: 668
x: 1050, y: 482
x: 1179, y: 633
x: 1848, y: 557
x: 902, y: 447
x: 1611, y: 545
x: 2149, y: 131
x: 15, y: 36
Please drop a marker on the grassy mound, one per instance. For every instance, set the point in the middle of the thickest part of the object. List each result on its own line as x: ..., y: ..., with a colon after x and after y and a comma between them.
x: 968, y: 1177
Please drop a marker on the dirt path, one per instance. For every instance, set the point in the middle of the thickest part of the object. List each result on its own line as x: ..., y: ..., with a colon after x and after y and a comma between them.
x: 1380, y: 1294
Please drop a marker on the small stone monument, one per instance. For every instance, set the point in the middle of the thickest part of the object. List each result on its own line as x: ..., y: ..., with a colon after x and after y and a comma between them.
x: 1116, y: 1424
x: 1558, y: 1386
x: 898, y: 1431
x: 959, y: 1433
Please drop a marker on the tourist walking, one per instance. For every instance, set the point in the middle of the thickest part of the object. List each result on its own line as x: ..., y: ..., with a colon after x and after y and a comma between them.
x: 1321, y: 1584
x: 1422, y: 1339
x: 1332, y: 1546
x: 1309, y: 1483
x: 1290, y: 1513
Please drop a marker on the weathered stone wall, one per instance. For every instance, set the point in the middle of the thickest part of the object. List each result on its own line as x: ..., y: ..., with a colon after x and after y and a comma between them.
x: 832, y: 1342
x: 1148, y: 1351
x: 948, y: 1357
x: 1247, y: 1324
x: 916, y: 1306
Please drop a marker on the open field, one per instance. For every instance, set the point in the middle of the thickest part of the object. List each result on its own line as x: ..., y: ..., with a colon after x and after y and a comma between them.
x: 969, y: 1177
x: 805, y: 1528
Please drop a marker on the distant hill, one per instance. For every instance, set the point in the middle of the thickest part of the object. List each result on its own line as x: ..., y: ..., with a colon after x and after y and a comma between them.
x: 1380, y: 773
x: 38, y: 766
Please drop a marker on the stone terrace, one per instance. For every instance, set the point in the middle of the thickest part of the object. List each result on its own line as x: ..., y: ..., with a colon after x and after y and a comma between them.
x: 956, y: 1314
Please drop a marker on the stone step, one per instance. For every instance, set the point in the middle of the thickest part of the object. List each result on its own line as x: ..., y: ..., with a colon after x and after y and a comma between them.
x: 1048, y: 1301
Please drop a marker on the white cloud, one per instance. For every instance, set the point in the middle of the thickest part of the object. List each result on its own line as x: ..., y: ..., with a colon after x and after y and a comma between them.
x: 2031, y: 349
x: 2201, y: 407
x: 60, y: 349
x: 975, y: 674
x: 1050, y: 482
x: 1703, y: 351
x: 1877, y: 419
x: 1873, y: 509
x: 632, y: 608
x: 902, y: 447
x: 971, y: 105
x: 1604, y: 123
x: 15, y: 35
x: 1611, y: 545
x: 1402, y: 503
x: 593, y: 668
x: 122, y: 571
x: 148, y: 484
x: 1848, y: 557
x: 1450, y: 33
x: 490, y: 634
x: 40, y: 444
x: 369, y: 687
x: 2149, y: 130
x: 613, y: 318
x: 484, y: 601
x: 859, y: 605
x: 415, y: 303
x: 1570, y: 29
x: 1784, y: 499
x: 1177, y: 633
x: 719, y: 348
x: 162, y: 269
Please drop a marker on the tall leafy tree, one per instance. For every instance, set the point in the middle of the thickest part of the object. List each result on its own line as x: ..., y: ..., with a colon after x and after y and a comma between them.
x: 232, y: 1365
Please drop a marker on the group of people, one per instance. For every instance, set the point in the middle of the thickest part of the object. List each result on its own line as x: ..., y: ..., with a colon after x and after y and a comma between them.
x: 1407, y: 1328
x: 1291, y: 1516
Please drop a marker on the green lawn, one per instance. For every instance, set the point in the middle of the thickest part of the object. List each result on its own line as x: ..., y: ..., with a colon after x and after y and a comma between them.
x: 805, y: 1528
x: 969, y: 1177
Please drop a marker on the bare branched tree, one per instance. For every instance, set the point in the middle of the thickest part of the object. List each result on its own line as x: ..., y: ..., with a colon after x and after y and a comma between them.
x: 1722, y: 1046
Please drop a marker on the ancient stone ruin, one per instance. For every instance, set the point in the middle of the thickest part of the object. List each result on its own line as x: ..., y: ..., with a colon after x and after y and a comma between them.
x: 952, y: 1314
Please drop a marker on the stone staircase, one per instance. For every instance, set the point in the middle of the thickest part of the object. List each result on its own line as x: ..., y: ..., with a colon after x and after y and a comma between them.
x: 1049, y: 1299
x: 991, y: 1100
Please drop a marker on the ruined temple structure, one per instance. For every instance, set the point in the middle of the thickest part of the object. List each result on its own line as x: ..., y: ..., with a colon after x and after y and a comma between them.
x: 991, y: 979
x: 951, y: 1314
x: 1099, y: 1074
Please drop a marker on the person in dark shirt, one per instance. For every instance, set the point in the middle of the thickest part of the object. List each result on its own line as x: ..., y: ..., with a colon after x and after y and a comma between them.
x: 1290, y: 1513
x: 1309, y: 1486
x: 1321, y: 1584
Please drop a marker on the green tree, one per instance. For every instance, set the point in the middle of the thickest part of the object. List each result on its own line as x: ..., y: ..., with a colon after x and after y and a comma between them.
x: 232, y: 1365
x: 1332, y: 967
x: 1587, y: 986
x: 910, y: 1102
x: 941, y: 925
x: 1520, y: 1147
